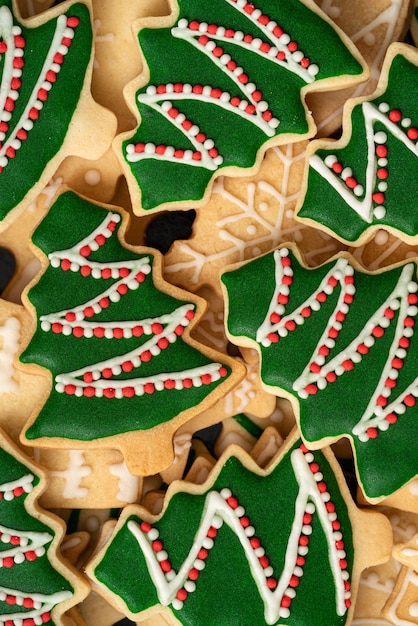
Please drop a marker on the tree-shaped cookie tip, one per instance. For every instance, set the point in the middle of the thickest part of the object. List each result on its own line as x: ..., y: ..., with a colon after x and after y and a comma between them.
x: 223, y: 82
x: 116, y: 340
x: 367, y: 180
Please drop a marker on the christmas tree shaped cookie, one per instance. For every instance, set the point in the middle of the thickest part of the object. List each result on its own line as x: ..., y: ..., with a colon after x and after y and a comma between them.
x: 368, y: 179
x: 224, y: 81
x: 250, y: 546
x: 116, y: 340
x: 340, y: 344
x: 35, y: 585
x: 46, y: 110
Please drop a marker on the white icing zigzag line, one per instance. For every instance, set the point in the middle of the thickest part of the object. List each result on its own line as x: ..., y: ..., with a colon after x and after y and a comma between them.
x: 204, y: 155
x: 268, y: 26
x: 7, y: 34
x: 25, y: 122
x: 90, y: 244
x: 258, y: 107
x: 216, y: 512
x: 319, y: 372
x: 10, y: 334
x: 172, y: 320
x: 284, y: 278
x: 136, y: 386
x: 257, y: 113
x: 26, y: 545
x: 17, y: 487
x: 96, y: 377
x: 42, y: 605
x: 364, y: 207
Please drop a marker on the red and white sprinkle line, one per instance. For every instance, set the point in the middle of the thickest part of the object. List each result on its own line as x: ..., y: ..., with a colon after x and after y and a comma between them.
x: 333, y: 518
x: 277, y: 325
x: 204, y: 154
x: 75, y: 259
x: 202, y: 35
x: 16, y: 488
x: 381, y: 159
x: 117, y: 389
x: 282, y: 50
x: 38, y: 607
x: 73, y: 321
x: 223, y: 507
x: 54, y: 59
x: 30, y: 555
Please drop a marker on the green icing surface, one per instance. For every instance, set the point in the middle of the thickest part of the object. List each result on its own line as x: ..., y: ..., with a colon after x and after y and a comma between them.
x: 335, y: 410
x: 175, y: 60
x: 28, y: 577
x: 323, y: 203
x: 69, y: 221
x: 45, y: 139
x: 225, y: 590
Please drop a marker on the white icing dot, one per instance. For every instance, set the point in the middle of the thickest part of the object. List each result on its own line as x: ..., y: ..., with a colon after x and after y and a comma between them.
x: 92, y: 177
x: 189, y: 586
x: 380, y: 137
x: 177, y: 604
x: 379, y: 212
x: 381, y: 238
x: 334, y: 11
x: 369, y: 39
x: 153, y: 534
x: 92, y: 524
x: 413, y: 609
x: 249, y: 531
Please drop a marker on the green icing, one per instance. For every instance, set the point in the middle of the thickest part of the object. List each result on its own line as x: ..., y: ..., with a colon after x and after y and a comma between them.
x: 46, y: 137
x: 225, y: 589
x: 324, y: 204
x: 70, y: 221
x: 174, y: 60
x: 28, y: 577
x: 335, y: 410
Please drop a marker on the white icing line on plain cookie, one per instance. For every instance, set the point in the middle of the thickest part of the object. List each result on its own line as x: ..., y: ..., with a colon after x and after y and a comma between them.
x: 128, y: 484
x: 73, y: 475
x: 9, y: 338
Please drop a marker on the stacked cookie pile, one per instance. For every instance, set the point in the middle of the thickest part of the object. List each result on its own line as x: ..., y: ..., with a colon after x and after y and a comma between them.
x: 208, y: 381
